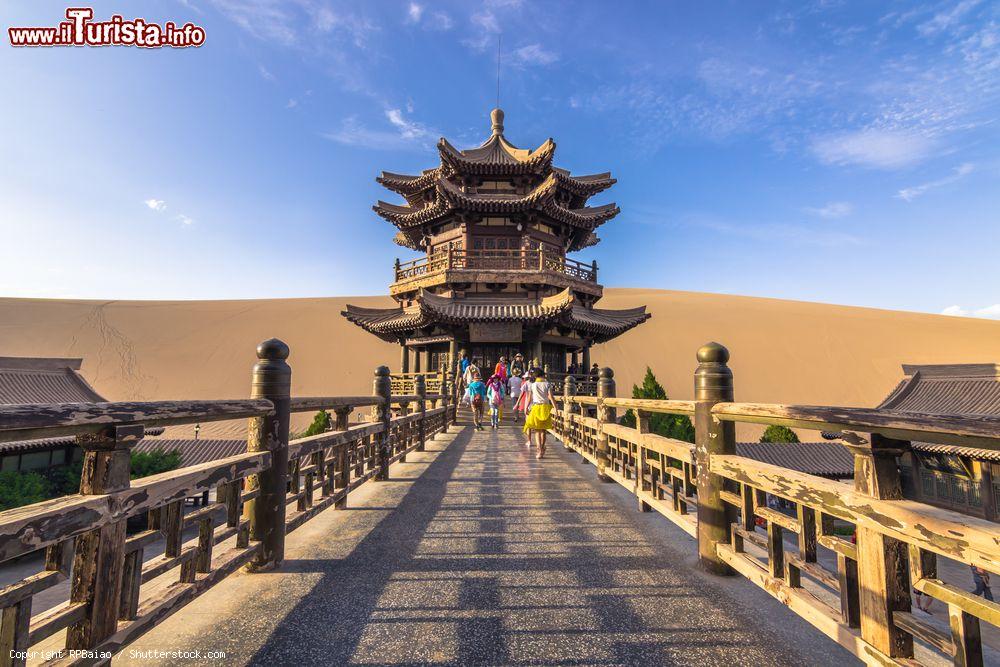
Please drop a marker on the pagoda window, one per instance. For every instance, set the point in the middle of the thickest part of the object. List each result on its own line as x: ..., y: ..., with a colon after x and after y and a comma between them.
x: 543, y: 228
x: 496, y: 186
x: 496, y: 222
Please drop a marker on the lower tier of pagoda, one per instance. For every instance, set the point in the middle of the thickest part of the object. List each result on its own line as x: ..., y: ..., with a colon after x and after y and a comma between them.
x: 560, y: 310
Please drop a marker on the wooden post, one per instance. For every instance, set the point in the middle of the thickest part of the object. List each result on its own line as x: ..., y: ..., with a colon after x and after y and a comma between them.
x: 272, y: 379
x: 713, y: 383
x: 99, y: 558
x: 569, y: 391
x: 586, y: 358
x: 642, y: 426
x: 382, y: 413
x: 421, y: 390
x: 446, y: 417
x: 605, y: 415
x: 342, y: 475
x: 883, y: 563
x: 404, y: 358
x: 537, y: 353
x: 418, y: 353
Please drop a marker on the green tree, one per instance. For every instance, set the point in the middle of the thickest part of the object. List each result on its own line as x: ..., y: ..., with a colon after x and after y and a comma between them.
x: 21, y: 488
x: 156, y: 461
x: 678, y: 427
x: 321, y: 423
x: 775, y: 433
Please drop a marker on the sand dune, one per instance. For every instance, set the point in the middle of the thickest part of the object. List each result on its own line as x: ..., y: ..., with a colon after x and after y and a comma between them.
x: 782, y: 351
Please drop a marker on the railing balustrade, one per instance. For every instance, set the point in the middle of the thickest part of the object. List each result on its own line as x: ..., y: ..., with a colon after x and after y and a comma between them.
x: 495, y: 260
x: 84, y: 535
x: 718, y: 498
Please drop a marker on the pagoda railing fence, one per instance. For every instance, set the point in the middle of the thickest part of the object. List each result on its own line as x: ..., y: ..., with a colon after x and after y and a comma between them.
x: 859, y: 593
x: 256, y: 498
x: 496, y: 260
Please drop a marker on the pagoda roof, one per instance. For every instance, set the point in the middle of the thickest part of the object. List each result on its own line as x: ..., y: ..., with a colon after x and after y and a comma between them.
x: 562, y: 308
x: 450, y: 197
x: 437, y: 193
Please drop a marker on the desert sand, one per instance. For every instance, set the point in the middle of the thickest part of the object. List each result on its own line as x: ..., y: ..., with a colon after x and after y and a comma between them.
x: 782, y: 351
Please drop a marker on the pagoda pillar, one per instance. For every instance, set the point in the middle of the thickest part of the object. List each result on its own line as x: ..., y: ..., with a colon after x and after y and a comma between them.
x: 417, y: 353
x: 586, y: 357
x: 452, y: 354
x: 404, y: 357
x: 536, y: 353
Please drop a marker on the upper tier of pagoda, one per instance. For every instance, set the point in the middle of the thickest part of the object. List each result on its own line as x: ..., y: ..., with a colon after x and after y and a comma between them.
x: 496, y: 179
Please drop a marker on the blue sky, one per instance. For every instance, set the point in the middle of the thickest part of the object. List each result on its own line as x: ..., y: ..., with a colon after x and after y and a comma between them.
x: 831, y: 151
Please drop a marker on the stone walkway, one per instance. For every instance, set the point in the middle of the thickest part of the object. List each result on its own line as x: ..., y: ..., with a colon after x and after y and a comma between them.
x: 476, y: 553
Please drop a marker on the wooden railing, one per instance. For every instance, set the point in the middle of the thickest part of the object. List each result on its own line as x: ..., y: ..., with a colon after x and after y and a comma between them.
x: 404, y: 383
x: 585, y: 384
x: 496, y: 260
x: 116, y: 595
x: 718, y: 497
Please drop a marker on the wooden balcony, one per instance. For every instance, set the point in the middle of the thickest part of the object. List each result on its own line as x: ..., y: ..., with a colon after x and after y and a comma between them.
x: 495, y: 266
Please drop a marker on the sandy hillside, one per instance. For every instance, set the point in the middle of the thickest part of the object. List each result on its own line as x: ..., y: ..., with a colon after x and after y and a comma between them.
x: 782, y: 351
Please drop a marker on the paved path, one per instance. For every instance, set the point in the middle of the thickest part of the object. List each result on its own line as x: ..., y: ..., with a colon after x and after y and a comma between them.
x: 476, y: 553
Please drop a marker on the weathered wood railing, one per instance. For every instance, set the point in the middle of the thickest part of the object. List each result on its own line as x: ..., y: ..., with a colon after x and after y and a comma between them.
x: 116, y: 594
x: 404, y: 383
x: 496, y: 260
x: 718, y: 497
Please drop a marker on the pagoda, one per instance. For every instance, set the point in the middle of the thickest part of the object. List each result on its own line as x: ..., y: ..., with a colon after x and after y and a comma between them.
x: 495, y: 224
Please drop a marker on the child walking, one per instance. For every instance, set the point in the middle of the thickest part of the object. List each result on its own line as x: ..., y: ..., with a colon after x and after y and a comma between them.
x: 477, y: 392
x: 539, y: 419
x: 494, y: 393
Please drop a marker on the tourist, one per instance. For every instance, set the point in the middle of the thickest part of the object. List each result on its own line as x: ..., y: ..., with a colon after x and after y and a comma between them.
x: 523, y: 405
x: 981, y: 579
x: 494, y: 394
x: 595, y: 371
x: 501, y: 369
x: 514, y: 383
x: 517, y: 366
x: 469, y: 372
x: 539, y: 419
x: 464, y: 363
x: 477, y: 394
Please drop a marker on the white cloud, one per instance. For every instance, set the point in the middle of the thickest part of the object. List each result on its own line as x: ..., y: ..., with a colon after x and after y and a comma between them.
x: 911, y: 193
x: 486, y: 20
x: 265, y: 73
x: 833, y: 209
x: 946, y: 19
x: 183, y: 219
x: 403, y: 133
x: 156, y: 204
x: 986, y: 312
x: 439, y: 21
x: 534, y: 54
x: 414, y: 12
x: 292, y: 103
x: 875, y: 148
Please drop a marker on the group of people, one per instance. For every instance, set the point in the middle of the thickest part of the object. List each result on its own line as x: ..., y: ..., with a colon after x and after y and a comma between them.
x: 529, y: 391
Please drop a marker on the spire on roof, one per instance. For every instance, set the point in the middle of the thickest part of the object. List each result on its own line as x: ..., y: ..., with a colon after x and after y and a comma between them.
x: 496, y: 116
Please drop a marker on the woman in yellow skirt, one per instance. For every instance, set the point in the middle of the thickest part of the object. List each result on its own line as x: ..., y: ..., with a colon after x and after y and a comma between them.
x: 539, y: 419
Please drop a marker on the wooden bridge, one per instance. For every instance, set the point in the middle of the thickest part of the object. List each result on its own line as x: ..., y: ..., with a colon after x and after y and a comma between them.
x: 465, y: 550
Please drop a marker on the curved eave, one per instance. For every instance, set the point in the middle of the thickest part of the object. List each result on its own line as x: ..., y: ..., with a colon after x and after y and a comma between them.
x: 408, y: 216
x: 443, y: 309
x: 386, y: 323
x: 407, y: 239
x: 606, y: 324
x: 587, y: 240
x: 584, y: 186
x: 587, y: 217
x: 406, y: 184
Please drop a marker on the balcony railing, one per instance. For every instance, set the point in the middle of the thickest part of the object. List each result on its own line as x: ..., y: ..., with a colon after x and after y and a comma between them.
x: 496, y: 260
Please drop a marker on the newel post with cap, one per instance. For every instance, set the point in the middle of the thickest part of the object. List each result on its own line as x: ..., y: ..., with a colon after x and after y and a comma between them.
x: 382, y: 414
x: 605, y: 415
x: 713, y: 383
x: 272, y: 379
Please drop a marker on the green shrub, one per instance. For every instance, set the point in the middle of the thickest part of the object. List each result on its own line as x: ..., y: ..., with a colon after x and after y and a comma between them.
x: 775, y: 433
x: 145, y: 464
x: 22, y: 488
x: 678, y: 427
x: 320, y: 424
